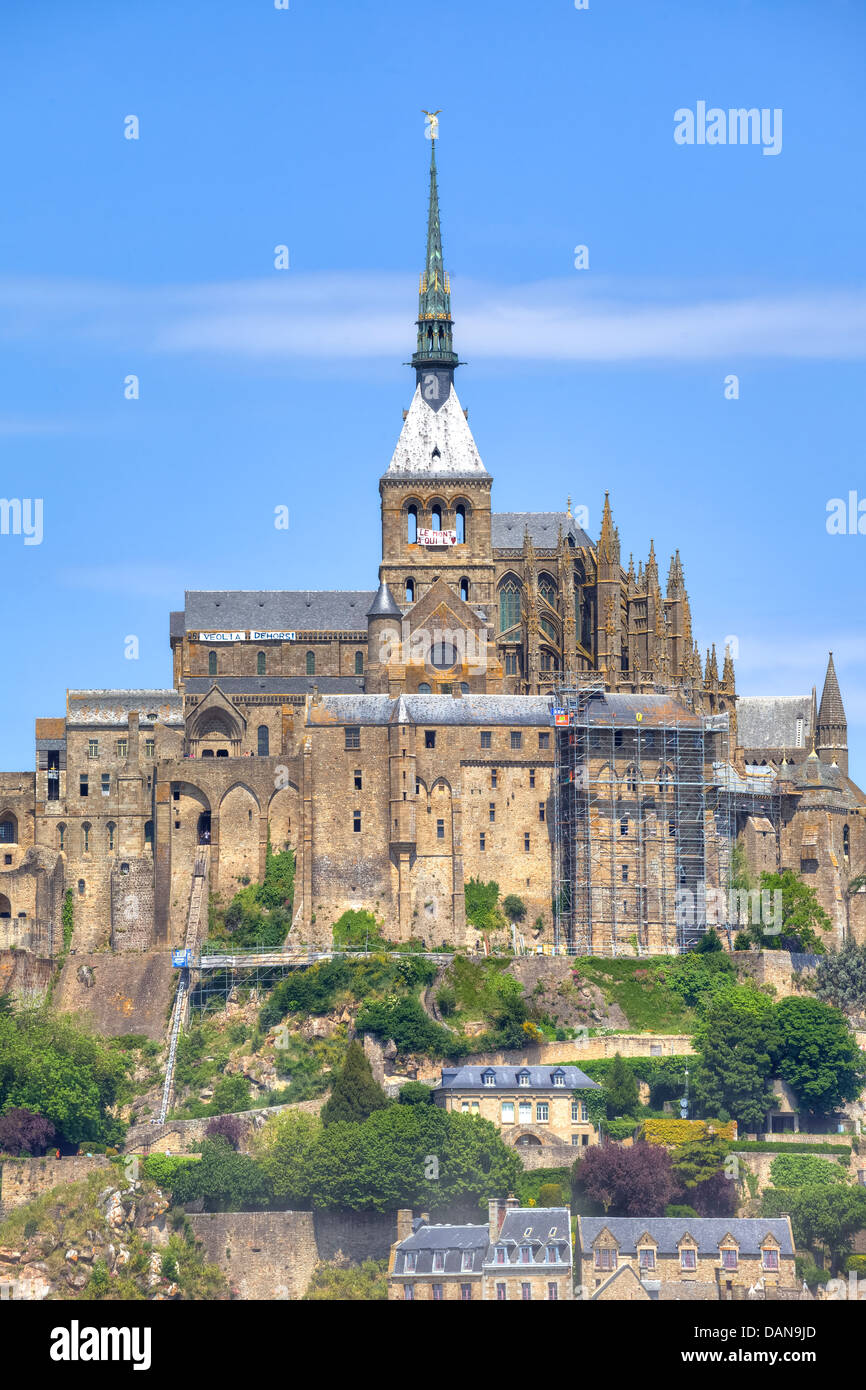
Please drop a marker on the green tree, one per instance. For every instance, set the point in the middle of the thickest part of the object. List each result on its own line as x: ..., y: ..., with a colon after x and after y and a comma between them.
x: 709, y: 942
x: 514, y: 908
x: 53, y: 1067
x: 821, y: 1217
x: 817, y: 1054
x: 223, y: 1179
x: 803, y: 917
x: 735, y: 1042
x: 355, y: 1093
x: 840, y: 977
x: 364, y: 1283
x: 284, y: 1146
x: 621, y: 1089
x: 805, y: 1170
x: 481, y: 905
x: 415, y: 1093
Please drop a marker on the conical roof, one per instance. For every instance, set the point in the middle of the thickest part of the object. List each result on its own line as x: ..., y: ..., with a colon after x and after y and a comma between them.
x: 832, y: 710
x: 383, y: 605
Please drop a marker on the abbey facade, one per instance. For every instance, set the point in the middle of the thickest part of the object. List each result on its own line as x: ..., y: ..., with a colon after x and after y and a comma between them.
x: 510, y: 702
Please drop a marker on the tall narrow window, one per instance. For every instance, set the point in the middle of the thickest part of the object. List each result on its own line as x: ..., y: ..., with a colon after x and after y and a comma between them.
x: 61, y: 835
x: 356, y: 822
x: 359, y: 663
x: 261, y: 664
x: 509, y: 605
x: 211, y: 663
x: 436, y: 518
x: 460, y: 524
x: 148, y: 833
x: 263, y: 738
x: 409, y: 591
x: 412, y: 525
x: 464, y: 590
x: 111, y: 828
x: 311, y: 663
x: 85, y: 833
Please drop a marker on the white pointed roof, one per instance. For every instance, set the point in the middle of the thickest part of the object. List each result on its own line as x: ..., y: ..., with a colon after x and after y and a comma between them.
x: 436, y: 443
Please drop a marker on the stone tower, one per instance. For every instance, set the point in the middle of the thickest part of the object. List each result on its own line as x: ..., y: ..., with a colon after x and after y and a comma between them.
x: 831, y: 733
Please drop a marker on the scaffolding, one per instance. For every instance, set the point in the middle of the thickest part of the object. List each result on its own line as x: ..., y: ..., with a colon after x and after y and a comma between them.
x: 643, y: 821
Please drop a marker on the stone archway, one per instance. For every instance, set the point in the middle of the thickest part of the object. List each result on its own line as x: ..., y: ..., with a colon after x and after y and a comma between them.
x: 241, y: 851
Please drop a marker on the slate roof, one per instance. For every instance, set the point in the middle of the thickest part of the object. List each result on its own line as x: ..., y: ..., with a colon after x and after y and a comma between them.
x: 748, y: 1232
x: 770, y: 721
x: 452, y: 1240
x: 483, y: 710
x: 238, y: 686
x: 507, y: 529
x: 383, y: 604
x: 175, y: 623
x: 277, y: 610
x: 540, y: 1079
x: 436, y: 443
x: 85, y: 708
x: 537, y: 1227
x: 526, y: 1225
x: 832, y: 710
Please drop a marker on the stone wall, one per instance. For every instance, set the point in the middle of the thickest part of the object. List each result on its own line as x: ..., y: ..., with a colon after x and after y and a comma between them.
x: 264, y: 1254
x: 132, y: 904
x: 24, y: 1179
x: 122, y: 993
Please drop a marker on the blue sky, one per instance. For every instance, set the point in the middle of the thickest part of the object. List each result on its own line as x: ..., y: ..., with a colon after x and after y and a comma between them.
x: 260, y: 387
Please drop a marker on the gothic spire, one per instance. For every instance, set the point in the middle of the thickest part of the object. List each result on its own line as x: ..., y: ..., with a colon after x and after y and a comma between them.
x: 831, y: 710
x: 435, y: 348
x: 608, y: 544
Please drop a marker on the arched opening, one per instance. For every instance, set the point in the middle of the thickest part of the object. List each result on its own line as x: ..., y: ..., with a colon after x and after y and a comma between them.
x: 424, y: 689
x: 464, y: 590
x: 359, y: 663
x: 204, y: 828
x: 148, y: 834
x: 409, y: 591
x: 460, y: 524
x: 61, y: 837
x: 263, y: 737
x: 85, y: 836
x: 311, y: 663
x: 412, y: 525
x: 547, y: 589
x: 8, y: 829
x: 509, y: 605
x: 527, y: 1141
x: 846, y: 842
x: 207, y: 752
x: 111, y: 828
x: 261, y: 664
x: 436, y: 517
x: 549, y: 661
x: 5, y: 906
x: 211, y: 663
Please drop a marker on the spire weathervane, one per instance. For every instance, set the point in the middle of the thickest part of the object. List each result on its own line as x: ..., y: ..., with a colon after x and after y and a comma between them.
x: 434, y: 358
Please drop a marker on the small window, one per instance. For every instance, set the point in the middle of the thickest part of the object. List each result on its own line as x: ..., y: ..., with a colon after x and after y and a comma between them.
x: 359, y: 663
x: 440, y: 830
x: 544, y: 740
x: 424, y: 689
x: 488, y: 1078
x: 106, y: 783
x: 356, y: 822
x: 526, y: 842
x: 511, y: 668
x: 353, y: 736
x: 359, y: 780
x: 429, y: 738
x: 559, y: 1078
x: 531, y: 777
x: 492, y: 811
x: 261, y: 664
x: 526, y: 1293
x: 508, y: 1112
x: 61, y: 833
x: 410, y: 1261
x: 460, y: 525
x: 311, y: 663
x: 516, y: 738
x: 436, y: 518
x: 82, y: 785
x: 526, y: 1254
x: 623, y: 826
x: 409, y: 1293
x: 121, y: 748
x: 438, y: 1261
x: 485, y: 738
x: 617, y: 738
x: 409, y: 591
x: 542, y: 1112
x: 464, y: 590
x: 412, y: 525
x: 81, y: 886
x: 729, y: 1259
x: 647, y: 1258
x: 150, y: 747
x: 541, y: 810
x: 493, y: 778
x: 148, y: 833
x: 85, y: 832
x: 623, y: 872
x: 466, y: 1289
x: 93, y: 748
x: 523, y: 1078
x: 500, y: 1292
x: 688, y: 1259
x: 111, y: 829
x: 263, y: 740
x: 769, y: 1259
x: 437, y: 1293
x: 211, y: 663
x: 482, y: 841
x: 466, y: 1262
x: 672, y: 828
x: 552, y: 1292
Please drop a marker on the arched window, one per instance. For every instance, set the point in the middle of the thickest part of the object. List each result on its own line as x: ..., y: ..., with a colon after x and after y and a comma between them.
x: 436, y: 517
x: 549, y: 662
x: 460, y: 524
x: 549, y: 629
x: 631, y: 778
x: 424, y: 688
x: 311, y: 663
x: 211, y: 663
x: 261, y: 664
x: 359, y: 663
x: 263, y: 737
x: 61, y: 836
x: 81, y: 887
x: 547, y: 589
x: 464, y: 590
x: 8, y: 830
x: 111, y: 827
x: 410, y: 591
x: 148, y: 833
x: 85, y: 832
x: 443, y: 655
x: 509, y: 605
x: 412, y: 525
x: 5, y: 906
x: 846, y: 841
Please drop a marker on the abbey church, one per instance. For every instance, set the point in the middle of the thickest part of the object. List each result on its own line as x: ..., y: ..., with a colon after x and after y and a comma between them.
x: 509, y: 701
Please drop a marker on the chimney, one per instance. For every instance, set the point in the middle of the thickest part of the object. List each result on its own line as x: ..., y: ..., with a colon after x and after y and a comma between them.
x: 133, y: 721
x: 404, y: 1223
x: 512, y: 1202
x: 495, y: 1217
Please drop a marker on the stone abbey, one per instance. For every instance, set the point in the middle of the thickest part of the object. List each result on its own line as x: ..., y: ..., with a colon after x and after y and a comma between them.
x: 511, y: 702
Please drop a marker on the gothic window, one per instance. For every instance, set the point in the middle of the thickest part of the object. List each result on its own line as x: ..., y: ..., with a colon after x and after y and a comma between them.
x: 549, y: 662
x: 311, y: 663
x: 148, y: 833
x: 359, y: 663
x: 460, y: 524
x: 631, y: 779
x: 443, y: 655
x: 211, y: 663
x: 509, y: 605
x: 547, y: 589
x: 412, y: 525
x: 8, y: 831
x: 436, y: 517
x: 549, y: 629
x: 261, y: 664
x: 410, y: 591
x: 511, y: 664
x: 263, y: 740
x: 464, y: 590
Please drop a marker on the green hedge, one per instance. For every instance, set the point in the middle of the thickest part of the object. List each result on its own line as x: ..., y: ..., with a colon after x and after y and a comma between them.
x: 770, y: 1147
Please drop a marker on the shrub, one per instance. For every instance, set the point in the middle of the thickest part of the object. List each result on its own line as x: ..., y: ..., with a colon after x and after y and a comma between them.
x: 514, y: 908
x: 358, y: 929
x: 550, y: 1195
x: 23, y: 1132
x: 679, y: 1210
x: 415, y: 1093
x: 227, y: 1127
x: 481, y: 905
x: 795, y: 1170
x: 446, y: 999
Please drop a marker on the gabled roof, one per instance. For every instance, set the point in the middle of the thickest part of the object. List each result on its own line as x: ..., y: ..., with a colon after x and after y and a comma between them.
x: 770, y: 721
x: 526, y: 710
x: 277, y: 610
x: 507, y: 530
x: 436, y: 443
x: 668, y: 1231
x: 85, y: 708
x: 540, y: 1079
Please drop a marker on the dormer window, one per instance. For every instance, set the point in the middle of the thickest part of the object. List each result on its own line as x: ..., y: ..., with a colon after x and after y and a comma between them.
x: 729, y: 1259
x: 526, y: 1254
x: 769, y: 1258
x: 411, y: 1260
x: 647, y: 1257
x: 488, y: 1078
x: 500, y: 1254
x: 523, y: 1078
x: 466, y: 1262
x: 688, y: 1259
x: 438, y: 1261
x: 559, y: 1077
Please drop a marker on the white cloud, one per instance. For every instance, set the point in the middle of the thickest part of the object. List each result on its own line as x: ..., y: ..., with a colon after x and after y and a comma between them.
x: 367, y: 315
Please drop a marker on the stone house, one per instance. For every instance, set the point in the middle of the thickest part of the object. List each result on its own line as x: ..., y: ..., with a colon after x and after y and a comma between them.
x: 531, y: 1106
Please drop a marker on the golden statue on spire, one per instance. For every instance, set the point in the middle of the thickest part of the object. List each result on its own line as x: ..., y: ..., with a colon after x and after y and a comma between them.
x: 432, y: 123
